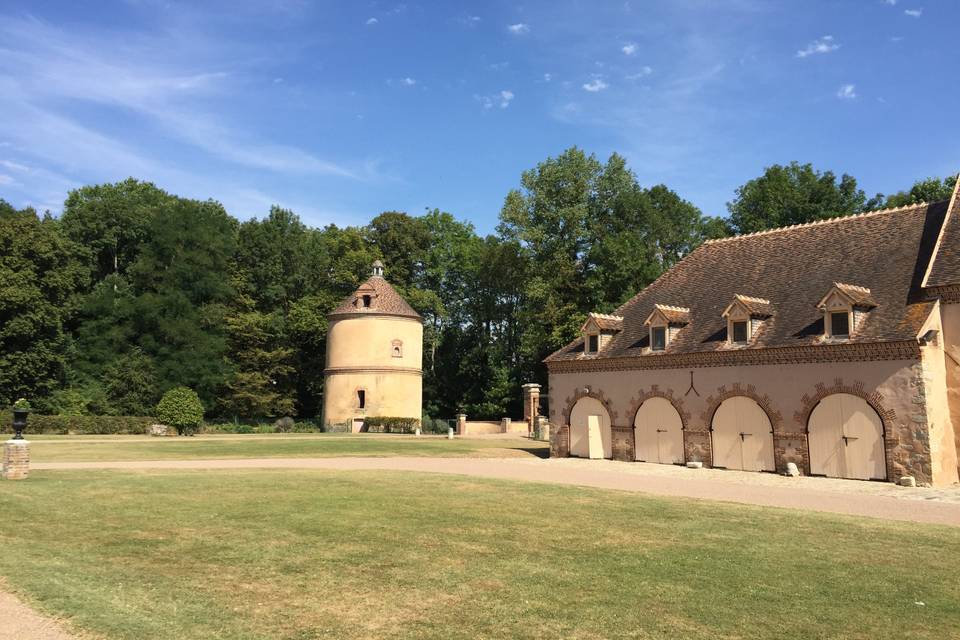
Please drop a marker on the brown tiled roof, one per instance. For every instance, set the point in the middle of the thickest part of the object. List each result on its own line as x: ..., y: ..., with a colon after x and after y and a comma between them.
x: 945, y: 269
x: 605, y: 322
x: 384, y: 301
x: 794, y: 267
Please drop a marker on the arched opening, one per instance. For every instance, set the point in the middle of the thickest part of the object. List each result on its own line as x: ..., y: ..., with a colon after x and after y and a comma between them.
x: 742, y: 436
x: 658, y: 432
x: 845, y: 439
x: 590, y: 434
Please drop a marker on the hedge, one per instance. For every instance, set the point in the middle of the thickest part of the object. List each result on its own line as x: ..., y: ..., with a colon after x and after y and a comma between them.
x: 378, y: 424
x: 82, y: 425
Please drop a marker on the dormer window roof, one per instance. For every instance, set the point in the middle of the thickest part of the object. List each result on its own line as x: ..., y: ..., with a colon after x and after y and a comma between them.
x: 842, y: 294
x: 667, y: 315
x: 602, y: 322
x: 365, y: 297
x: 748, y: 306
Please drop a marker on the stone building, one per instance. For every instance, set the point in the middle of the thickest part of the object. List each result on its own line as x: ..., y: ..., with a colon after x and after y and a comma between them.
x: 374, y: 356
x: 833, y: 345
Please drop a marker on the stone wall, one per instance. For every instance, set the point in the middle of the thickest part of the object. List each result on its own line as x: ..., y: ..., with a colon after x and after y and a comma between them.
x: 16, y: 460
x: 786, y: 392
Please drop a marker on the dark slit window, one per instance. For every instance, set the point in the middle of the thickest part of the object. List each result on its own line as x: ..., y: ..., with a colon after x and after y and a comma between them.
x: 659, y: 338
x: 594, y: 344
x: 840, y: 324
x: 739, y: 331
x: 362, y: 398
x: 366, y: 301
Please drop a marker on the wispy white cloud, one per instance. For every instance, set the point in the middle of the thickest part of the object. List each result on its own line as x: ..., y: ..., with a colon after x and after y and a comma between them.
x: 847, y: 92
x: 44, y: 64
x: 518, y: 29
x: 629, y: 49
x: 408, y: 81
x: 594, y: 86
x: 890, y: 2
x: 913, y: 13
x: 547, y: 77
x: 643, y: 72
x: 14, y: 166
x: 5, y: 179
x: 371, y: 21
x: 502, y: 99
x: 826, y: 44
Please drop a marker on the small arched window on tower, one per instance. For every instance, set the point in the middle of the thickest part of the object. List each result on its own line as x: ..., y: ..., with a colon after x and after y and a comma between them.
x: 396, y: 348
x: 366, y: 301
x: 361, y: 398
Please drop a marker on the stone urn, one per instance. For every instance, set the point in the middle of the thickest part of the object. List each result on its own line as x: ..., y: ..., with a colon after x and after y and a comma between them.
x: 19, y: 422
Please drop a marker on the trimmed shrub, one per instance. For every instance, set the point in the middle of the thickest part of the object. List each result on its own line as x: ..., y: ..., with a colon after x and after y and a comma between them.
x: 83, y: 425
x: 431, y: 425
x: 283, y: 425
x: 336, y: 428
x: 181, y: 408
x: 387, y: 424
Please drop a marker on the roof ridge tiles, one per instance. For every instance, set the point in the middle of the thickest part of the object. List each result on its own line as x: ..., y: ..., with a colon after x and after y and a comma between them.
x: 864, y: 214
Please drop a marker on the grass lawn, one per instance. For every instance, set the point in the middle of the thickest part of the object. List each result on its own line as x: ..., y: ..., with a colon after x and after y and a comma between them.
x: 103, y: 448
x: 313, y: 554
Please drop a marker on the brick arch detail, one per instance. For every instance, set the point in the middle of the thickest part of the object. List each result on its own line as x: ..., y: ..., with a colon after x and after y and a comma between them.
x: 656, y: 392
x: 723, y: 393
x: 809, y: 402
x: 587, y: 392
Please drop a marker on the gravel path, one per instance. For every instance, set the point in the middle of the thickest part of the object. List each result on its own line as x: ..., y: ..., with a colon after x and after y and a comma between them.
x: 20, y: 622
x: 869, y: 499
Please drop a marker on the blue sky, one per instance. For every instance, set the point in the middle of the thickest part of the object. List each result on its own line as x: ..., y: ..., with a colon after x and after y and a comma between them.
x: 340, y: 110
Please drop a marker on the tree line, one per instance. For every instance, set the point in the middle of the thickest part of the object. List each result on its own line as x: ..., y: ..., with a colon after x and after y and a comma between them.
x: 133, y: 291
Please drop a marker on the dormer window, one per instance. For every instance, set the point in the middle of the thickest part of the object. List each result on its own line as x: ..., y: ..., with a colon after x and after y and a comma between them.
x: 845, y: 307
x: 366, y: 301
x: 598, y: 330
x: 664, y: 323
x: 745, y: 316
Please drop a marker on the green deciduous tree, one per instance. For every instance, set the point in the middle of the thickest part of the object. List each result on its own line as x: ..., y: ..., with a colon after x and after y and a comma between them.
x: 41, y: 273
x: 793, y: 194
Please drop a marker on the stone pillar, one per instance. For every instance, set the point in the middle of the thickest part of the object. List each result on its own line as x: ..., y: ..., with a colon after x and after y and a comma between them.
x: 461, y: 424
x: 16, y: 459
x: 531, y: 405
x: 542, y: 429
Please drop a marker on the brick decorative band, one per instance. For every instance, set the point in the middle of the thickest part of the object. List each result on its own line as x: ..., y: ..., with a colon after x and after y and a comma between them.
x: 811, y: 354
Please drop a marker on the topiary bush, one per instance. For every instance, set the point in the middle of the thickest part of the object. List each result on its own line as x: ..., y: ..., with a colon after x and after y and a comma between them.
x: 181, y: 408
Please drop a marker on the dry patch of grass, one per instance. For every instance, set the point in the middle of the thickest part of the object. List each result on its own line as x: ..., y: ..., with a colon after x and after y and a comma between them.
x: 315, y: 554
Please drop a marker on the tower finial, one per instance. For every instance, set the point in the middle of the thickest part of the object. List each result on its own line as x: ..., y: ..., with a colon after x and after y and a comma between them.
x: 378, y: 268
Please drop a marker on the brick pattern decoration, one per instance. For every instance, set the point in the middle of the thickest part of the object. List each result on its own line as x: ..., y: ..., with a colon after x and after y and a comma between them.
x: 947, y: 295
x: 781, y: 454
x: 814, y: 354
x: 624, y: 447
x: 560, y: 441
x: 655, y: 392
x: 888, y: 417
x: 586, y: 392
x: 16, y: 460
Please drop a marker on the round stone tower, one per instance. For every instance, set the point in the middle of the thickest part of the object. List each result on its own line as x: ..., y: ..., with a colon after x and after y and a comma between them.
x: 374, y: 356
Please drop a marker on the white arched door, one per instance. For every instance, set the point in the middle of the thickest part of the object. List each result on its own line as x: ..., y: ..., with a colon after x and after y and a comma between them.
x: 658, y: 432
x: 845, y: 436
x: 742, y: 436
x: 590, y: 434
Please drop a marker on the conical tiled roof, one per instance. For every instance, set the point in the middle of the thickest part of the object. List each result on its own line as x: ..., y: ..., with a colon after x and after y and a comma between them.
x: 384, y: 300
